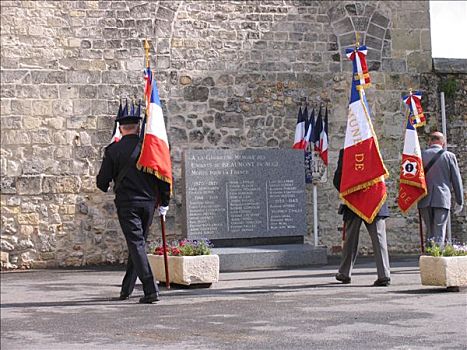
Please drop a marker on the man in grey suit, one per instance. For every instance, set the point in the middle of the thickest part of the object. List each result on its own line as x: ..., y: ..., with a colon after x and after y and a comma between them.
x: 377, y: 231
x: 441, y: 173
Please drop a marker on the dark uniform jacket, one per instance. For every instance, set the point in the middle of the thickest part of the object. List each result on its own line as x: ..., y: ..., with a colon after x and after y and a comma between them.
x: 343, y: 209
x: 137, y: 186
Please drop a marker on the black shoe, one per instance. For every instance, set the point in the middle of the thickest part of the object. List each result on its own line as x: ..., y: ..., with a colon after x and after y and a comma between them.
x: 342, y: 278
x: 382, y: 282
x: 149, y: 299
x: 123, y: 296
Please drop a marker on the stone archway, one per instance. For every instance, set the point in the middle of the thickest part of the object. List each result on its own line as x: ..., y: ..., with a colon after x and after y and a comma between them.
x: 370, y: 21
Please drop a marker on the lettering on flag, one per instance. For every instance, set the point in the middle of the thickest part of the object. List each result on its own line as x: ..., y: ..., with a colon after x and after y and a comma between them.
x: 362, y: 186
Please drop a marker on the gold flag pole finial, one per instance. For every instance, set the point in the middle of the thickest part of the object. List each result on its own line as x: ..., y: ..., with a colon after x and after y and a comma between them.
x: 357, y: 39
x: 146, y: 48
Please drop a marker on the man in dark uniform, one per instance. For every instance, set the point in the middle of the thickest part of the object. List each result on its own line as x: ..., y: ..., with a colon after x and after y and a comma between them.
x: 377, y: 231
x: 137, y: 194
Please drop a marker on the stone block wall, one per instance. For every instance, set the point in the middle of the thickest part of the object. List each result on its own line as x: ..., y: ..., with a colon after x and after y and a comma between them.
x: 231, y: 74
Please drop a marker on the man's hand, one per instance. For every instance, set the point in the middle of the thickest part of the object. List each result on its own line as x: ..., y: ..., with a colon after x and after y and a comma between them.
x: 163, y: 210
x: 458, y: 208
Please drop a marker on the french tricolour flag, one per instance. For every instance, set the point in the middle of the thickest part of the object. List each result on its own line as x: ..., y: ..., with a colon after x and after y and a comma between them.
x: 299, y: 139
x: 155, y: 154
x: 412, y: 185
x: 362, y: 186
x: 318, y: 129
x: 323, y: 140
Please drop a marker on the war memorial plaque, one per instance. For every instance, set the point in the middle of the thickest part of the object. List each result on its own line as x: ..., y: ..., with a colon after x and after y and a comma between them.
x: 231, y: 194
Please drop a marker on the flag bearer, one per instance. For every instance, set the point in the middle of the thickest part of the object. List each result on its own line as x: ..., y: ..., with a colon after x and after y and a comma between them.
x: 137, y: 194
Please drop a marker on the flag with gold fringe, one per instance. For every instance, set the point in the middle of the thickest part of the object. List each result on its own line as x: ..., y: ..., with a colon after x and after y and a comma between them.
x: 412, y: 185
x: 362, y: 186
x: 155, y: 153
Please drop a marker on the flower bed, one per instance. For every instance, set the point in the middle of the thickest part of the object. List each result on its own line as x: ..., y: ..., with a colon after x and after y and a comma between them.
x: 189, y: 262
x: 444, y: 266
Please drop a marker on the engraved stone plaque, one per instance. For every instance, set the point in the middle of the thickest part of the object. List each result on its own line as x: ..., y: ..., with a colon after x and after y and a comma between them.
x: 231, y: 194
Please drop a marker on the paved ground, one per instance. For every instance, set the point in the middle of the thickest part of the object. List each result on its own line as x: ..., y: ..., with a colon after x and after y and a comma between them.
x: 282, y: 309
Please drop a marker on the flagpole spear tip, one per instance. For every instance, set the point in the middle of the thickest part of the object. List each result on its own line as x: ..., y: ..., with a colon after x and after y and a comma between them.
x: 357, y: 39
x: 146, y: 49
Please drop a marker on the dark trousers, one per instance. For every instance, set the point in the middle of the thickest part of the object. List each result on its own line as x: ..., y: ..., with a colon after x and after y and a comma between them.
x: 135, y: 221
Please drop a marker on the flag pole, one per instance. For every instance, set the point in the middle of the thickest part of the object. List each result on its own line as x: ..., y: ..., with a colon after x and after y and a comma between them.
x: 315, y: 213
x: 422, y: 244
x: 164, y: 245
x: 164, y: 241
x: 146, y: 49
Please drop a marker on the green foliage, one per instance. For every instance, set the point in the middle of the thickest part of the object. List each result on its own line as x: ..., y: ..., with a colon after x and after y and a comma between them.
x: 434, y: 249
x: 449, y: 87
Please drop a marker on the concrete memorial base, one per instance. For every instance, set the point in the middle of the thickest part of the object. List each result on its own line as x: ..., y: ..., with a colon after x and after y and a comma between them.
x: 446, y: 271
x: 270, y: 257
x: 186, y: 270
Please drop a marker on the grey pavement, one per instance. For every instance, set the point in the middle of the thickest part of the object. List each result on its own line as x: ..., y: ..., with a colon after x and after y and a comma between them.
x: 277, y: 309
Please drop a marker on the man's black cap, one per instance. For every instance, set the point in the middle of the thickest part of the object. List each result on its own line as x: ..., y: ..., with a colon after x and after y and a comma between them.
x: 128, y: 115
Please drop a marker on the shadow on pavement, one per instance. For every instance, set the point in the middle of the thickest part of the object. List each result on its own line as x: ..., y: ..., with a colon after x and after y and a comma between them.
x: 426, y: 291
x: 91, y: 301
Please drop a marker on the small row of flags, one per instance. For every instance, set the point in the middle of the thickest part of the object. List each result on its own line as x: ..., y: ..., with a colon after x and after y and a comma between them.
x: 362, y: 186
x: 311, y: 131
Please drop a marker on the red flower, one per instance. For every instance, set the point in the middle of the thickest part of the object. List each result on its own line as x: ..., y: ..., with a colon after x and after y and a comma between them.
x: 175, y: 251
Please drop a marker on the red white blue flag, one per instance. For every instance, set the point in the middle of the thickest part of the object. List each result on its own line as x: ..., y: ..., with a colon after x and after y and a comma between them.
x: 318, y: 129
x: 155, y: 153
x: 306, y: 136
x: 310, y: 127
x: 323, y: 140
x: 360, y: 68
x: 412, y: 185
x: 299, y: 139
x: 413, y: 100
x: 362, y: 185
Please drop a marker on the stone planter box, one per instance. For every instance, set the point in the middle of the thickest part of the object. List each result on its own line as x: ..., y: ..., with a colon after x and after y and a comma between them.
x: 186, y: 270
x: 447, y: 271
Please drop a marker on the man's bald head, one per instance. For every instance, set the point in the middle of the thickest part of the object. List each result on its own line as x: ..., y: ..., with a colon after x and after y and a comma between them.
x: 437, y: 138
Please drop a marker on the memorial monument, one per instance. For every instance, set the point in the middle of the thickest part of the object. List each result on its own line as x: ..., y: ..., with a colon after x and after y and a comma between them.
x: 251, y: 205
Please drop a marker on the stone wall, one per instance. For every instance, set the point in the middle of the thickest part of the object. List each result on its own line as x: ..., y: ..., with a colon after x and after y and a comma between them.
x: 231, y: 74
